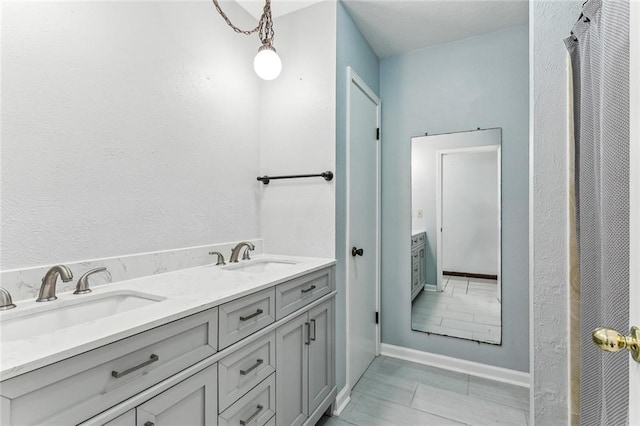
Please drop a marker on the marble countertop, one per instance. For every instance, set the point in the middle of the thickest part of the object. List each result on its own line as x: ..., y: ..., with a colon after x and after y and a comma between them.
x: 186, y: 291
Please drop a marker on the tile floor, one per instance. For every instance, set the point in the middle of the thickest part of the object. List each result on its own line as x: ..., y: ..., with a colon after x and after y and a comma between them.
x: 467, y: 308
x: 396, y: 392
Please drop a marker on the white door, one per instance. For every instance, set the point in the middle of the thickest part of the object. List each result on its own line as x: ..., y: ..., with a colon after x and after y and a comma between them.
x: 634, y: 290
x: 363, y: 225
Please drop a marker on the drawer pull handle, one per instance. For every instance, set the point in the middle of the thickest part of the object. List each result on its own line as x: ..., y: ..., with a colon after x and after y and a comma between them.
x: 251, y: 417
x: 253, y: 367
x: 307, y: 290
x: 153, y: 358
x: 314, y: 330
x: 149, y: 424
x: 255, y: 314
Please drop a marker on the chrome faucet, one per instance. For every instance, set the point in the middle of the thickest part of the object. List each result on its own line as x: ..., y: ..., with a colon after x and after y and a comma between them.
x: 48, y: 287
x: 82, y: 286
x: 5, y: 300
x: 236, y: 250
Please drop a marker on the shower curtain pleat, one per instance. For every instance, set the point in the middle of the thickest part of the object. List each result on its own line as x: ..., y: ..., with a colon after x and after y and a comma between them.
x: 599, y: 50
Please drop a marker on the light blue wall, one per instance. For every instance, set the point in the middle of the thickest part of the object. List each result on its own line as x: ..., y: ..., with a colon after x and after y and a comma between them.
x: 354, y: 51
x: 482, y: 82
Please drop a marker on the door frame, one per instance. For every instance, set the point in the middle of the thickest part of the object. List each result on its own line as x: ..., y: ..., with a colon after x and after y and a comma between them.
x: 353, y: 77
x: 439, y: 157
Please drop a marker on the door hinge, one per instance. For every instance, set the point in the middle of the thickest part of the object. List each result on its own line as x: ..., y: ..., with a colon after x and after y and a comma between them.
x: 378, y: 134
x: 377, y: 318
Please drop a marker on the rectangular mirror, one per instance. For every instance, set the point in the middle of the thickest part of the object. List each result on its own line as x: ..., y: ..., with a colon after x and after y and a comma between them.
x: 456, y: 239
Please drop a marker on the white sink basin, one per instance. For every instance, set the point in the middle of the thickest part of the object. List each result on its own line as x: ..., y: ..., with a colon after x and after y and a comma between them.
x: 261, y: 265
x: 48, y: 317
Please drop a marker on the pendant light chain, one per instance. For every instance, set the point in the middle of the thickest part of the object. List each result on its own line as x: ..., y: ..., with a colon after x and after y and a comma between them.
x: 264, y: 28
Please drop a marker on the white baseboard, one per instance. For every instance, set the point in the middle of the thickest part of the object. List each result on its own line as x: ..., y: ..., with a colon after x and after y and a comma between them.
x: 498, y: 374
x: 343, y: 398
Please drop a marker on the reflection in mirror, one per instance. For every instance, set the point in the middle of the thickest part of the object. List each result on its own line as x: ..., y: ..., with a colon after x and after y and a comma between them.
x: 455, y: 243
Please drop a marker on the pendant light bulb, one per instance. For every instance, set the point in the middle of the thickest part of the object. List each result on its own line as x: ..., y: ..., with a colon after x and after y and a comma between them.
x: 267, y: 63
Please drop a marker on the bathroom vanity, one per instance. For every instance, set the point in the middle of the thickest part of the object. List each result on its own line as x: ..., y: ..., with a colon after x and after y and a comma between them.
x: 418, y: 262
x: 247, y: 344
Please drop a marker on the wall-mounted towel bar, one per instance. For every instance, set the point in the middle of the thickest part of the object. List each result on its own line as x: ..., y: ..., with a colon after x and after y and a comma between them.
x: 266, y: 179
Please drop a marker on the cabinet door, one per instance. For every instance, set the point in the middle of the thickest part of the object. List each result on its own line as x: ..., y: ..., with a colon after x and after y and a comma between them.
x: 291, y: 372
x: 192, y: 402
x: 423, y: 266
x: 320, y: 350
x: 415, y: 269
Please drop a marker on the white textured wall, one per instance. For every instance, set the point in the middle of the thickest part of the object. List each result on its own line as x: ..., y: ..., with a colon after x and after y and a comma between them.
x: 551, y: 22
x: 298, y: 133
x: 126, y: 127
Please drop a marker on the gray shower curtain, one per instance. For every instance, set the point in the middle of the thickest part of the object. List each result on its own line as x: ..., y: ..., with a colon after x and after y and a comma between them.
x: 599, y: 50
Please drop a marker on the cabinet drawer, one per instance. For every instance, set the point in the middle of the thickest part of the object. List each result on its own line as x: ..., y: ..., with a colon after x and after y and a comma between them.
x: 245, y: 368
x: 256, y: 408
x: 295, y: 294
x: 421, y: 238
x: 245, y: 316
x: 79, y: 387
x: 414, y: 241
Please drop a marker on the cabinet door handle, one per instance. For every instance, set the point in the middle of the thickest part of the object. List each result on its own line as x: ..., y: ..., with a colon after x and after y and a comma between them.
x: 314, y: 330
x: 255, y: 314
x: 307, y: 290
x: 251, y: 417
x: 308, y: 325
x: 117, y: 374
x: 253, y: 367
x: 149, y: 424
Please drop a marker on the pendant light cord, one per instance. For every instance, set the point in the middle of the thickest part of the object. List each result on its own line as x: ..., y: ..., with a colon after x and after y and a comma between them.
x: 264, y: 28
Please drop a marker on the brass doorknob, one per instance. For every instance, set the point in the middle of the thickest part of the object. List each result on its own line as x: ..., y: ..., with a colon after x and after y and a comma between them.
x: 610, y: 340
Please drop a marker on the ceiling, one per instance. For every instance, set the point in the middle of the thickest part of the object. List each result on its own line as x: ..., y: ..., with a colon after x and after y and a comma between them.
x: 278, y: 7
x: 397, y: 26
x: 394, y: 27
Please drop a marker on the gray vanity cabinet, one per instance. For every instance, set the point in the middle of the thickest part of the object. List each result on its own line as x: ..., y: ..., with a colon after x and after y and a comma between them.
x: 418, y: 263
x: 192, y: 402
x: 304, y: 371
x: 320, y: 354
x: 261, y: 359
x: 291, y: 372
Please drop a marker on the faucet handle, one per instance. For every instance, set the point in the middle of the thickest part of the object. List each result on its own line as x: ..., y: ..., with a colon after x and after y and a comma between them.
x: 220, y: 257
x: 5, y: 300
x: 83, y: 283
x: 245, y: 255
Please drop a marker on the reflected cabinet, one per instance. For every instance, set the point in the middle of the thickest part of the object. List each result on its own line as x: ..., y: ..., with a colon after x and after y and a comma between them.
x: 418, y: 263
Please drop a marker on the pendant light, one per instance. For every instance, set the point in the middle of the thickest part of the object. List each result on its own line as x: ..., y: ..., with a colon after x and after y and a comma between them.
x: 267, y: 63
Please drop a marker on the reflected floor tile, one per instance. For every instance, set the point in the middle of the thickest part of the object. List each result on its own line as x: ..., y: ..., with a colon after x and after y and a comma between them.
x: 494, y: 338
x: 470, y: 326
x: 466, y: 409
x: 483, y: 281
x: 369, y: 411
x: 487, y: 319
x: 448, y: 331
